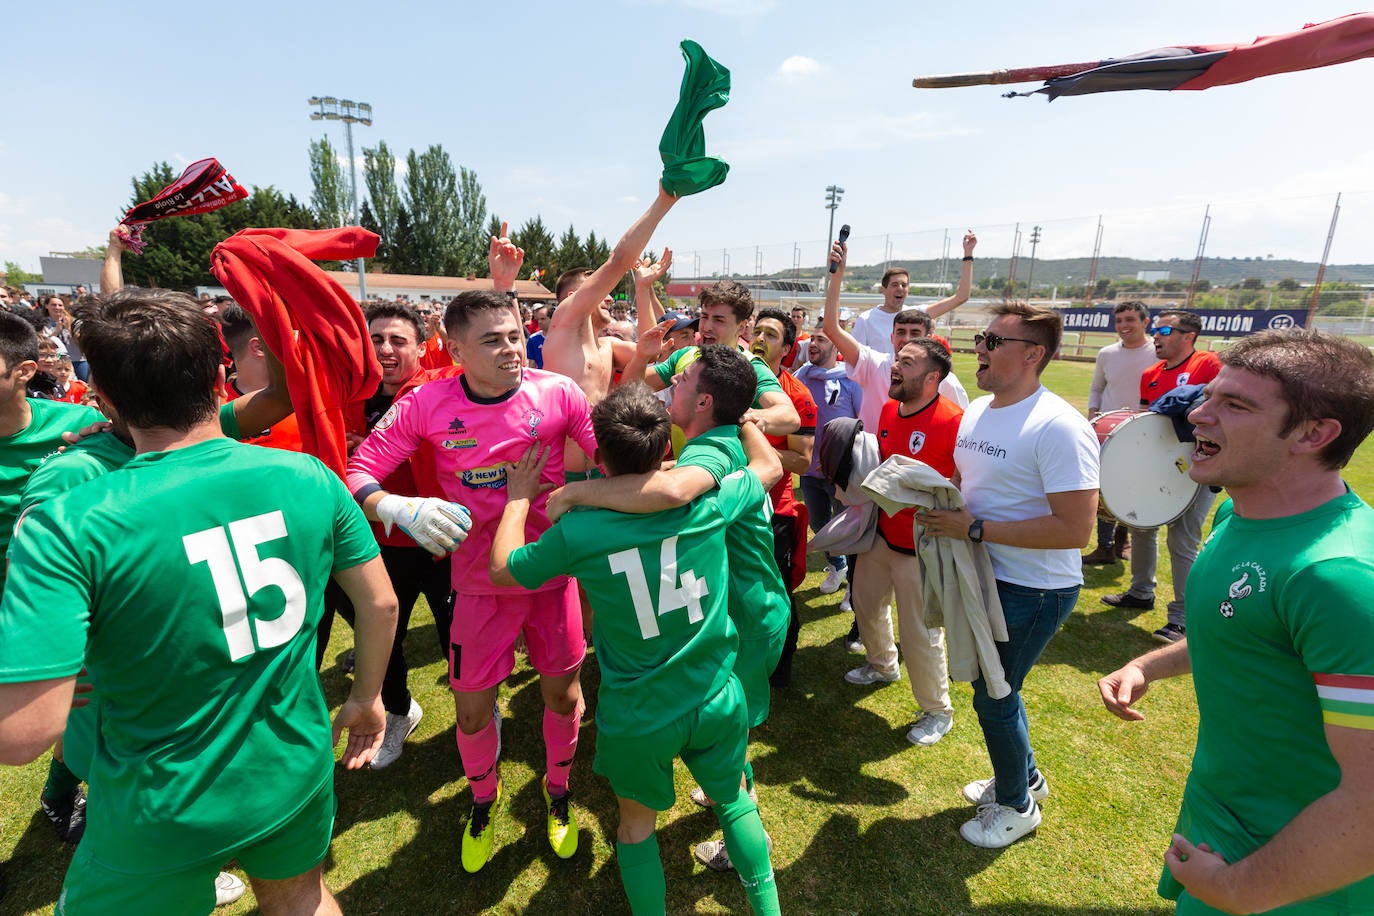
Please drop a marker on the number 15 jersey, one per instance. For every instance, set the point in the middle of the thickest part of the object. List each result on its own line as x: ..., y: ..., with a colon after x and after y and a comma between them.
x: 191, y: 582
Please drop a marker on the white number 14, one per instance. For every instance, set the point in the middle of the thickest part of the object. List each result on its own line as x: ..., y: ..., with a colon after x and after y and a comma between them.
x: 673, y: 594
x: 211, y: 547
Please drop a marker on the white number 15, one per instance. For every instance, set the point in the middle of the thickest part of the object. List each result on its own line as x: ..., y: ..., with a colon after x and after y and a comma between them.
x: 212, y: 547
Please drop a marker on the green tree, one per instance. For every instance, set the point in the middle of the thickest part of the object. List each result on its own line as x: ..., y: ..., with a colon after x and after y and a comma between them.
x: 569, y: 254
x: 329, y: 199
x: 405, y: 258
x: 1252, y: 282
x: 538, y: 245
x: 472, y: 235
x: 1287, y: 284
x: 430, y: 188
x: 379, y: 176
x: 16, y: 275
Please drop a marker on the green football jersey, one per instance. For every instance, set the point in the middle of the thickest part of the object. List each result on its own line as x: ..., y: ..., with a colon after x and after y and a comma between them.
x: 758, y: 599
x: 190, y: 583
x: 1281, y: 643
x: 662, y: 630
x: 767, y: 381
x: 21, y: 454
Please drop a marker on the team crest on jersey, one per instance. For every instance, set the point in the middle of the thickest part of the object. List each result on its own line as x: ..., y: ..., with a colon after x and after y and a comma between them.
x: 460, y: 443
x: 387, y: 418
x: 488, y: 478
x: 533, y: 417
x: 457, y: 426
x: 1250, y: 576
x: 917, y: 440
x: 1183, y: 378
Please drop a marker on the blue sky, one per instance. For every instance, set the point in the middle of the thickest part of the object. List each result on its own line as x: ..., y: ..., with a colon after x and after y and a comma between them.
x: 558, y: 108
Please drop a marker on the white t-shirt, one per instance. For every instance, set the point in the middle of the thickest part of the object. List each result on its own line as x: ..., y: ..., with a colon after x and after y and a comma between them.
x: 874, y: 329
x: 1116, y: 377
x: 1009, y: 458
x: 873, y: 372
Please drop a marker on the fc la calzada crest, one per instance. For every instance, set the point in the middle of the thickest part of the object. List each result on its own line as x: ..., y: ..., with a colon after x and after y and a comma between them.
x: 917, y: 440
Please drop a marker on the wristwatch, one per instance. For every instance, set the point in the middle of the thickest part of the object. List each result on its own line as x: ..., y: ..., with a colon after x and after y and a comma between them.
x: 975, y: 531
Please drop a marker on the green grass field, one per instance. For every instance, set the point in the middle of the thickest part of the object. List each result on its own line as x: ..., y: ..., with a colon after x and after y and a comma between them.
x: 862, y: 821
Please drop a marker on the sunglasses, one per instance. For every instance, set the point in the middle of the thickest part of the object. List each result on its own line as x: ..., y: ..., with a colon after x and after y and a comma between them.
x: 993, y: 341
x: 1166, y: 330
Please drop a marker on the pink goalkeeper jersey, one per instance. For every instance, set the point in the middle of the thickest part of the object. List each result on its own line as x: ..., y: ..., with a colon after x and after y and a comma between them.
x: 474, y: 440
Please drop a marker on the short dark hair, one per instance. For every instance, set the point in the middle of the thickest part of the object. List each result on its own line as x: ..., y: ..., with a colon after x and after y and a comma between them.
x: 1186, y: 321
x: 1321, y: 375
x: 632, y: 429
x: 1133, y: 305
x: 893, y: 272
x: 789, y: 327
x: 729, y: 379
x: 935, y: 351
x: 458, y: 314
x: 236, y: 325
x: 18, y: 340
x: 397, y: 310
x: 154, y: 354
x: 1044, y: 325
x: 914, y: 316
x: 729, y: 293
x: 568, y: 279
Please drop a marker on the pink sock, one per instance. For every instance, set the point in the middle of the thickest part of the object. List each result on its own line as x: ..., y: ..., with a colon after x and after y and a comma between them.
x: 478, y: 753
x: 560, y: 744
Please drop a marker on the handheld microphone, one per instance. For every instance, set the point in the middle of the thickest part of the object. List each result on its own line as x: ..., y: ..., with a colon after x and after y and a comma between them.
x: 844, y: 237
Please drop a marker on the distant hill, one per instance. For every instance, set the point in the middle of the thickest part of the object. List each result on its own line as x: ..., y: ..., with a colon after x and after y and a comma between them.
x: 1218, y: 271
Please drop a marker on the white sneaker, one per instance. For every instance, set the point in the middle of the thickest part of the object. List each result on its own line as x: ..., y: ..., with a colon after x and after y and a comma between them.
x: 869, y: 675
x: 713, y: 855
x: 846, y: 605
x: 834, y: 578
x: 398, y: 729
x: 852, y: 641
x: 997, y: 825
x: 984, y: 791
x: 228, y: 888
x: 929, y: 728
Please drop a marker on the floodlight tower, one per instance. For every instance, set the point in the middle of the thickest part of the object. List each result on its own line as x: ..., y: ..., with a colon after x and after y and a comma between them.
x: 350, y: 113
x: 832, y: 203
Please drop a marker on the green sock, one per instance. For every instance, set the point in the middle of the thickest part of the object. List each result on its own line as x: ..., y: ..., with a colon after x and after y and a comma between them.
x: 748, y: 847
x: 641, y: 871
x: 61, y: 781
x: 748, y: 776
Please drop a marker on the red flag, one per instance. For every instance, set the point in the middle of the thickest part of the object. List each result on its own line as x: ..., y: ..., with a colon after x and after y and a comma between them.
x: 1190, y: 66
x: 204, y: 186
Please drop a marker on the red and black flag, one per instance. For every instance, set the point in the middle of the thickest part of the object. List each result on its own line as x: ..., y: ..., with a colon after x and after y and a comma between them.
x: 1203, y: 66
x: 204, y: 186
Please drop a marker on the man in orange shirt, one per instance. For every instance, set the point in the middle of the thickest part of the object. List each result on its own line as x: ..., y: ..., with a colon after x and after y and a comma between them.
x: 916, y: 422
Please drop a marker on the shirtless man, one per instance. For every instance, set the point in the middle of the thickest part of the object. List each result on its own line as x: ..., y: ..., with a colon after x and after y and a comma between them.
x: 573, y: 345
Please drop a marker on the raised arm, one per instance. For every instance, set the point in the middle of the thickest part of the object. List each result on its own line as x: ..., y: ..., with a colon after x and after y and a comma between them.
x: 649, y: 311
x: 581, y: 304
x: 844, y: 341
x: 112, y: 271
x: 961, y: 293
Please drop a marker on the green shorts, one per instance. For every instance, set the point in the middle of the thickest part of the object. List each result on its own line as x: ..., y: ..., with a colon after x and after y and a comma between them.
x: 710, y: 740
x: 755, y: 662
x: 294, y: 848
x: 591, y: 473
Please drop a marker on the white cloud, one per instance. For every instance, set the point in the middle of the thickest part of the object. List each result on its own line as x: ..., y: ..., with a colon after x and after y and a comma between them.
x: 798, y: 67
x: 627, y: 199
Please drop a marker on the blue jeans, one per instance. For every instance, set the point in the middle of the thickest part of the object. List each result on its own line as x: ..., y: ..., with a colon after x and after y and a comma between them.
x: 1033, y: 616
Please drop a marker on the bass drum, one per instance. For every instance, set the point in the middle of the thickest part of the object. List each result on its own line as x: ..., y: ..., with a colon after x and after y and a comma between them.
x: 1144, y: 477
